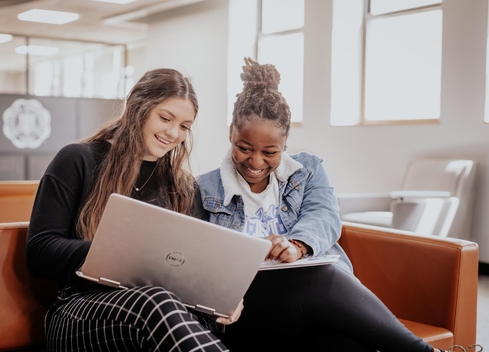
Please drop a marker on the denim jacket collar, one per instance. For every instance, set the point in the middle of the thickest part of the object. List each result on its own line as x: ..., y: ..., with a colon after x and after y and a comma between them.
x: 229, y: 175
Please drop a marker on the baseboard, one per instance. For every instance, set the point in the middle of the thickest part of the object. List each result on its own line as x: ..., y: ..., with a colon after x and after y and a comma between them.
x: 483, y: 268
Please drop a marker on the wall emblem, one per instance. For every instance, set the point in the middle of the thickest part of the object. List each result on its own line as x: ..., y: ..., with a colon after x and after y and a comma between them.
x: 26, y: 123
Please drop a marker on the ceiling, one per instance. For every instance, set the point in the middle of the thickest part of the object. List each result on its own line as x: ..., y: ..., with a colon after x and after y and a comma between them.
x: 99, y: 22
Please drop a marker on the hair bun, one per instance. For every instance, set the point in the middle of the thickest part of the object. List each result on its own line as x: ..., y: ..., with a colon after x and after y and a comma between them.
x: 256, y: 76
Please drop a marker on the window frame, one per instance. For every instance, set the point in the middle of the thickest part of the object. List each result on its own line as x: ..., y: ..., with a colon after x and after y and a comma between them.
x: 260, y: 35
x: 367, y: 17
x: 244, y: 35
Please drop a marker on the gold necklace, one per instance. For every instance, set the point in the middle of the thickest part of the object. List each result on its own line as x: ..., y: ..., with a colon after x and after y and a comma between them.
x: 137, y: 189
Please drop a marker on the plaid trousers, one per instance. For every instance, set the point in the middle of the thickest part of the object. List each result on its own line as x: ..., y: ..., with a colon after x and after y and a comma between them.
x: 145, y: 318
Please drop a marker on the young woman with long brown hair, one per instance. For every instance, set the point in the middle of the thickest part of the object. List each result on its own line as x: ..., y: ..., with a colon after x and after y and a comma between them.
x: 142, y: 154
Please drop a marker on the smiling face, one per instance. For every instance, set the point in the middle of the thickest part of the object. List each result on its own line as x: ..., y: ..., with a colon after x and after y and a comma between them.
x: 167, y: 126
x: 256, y: 150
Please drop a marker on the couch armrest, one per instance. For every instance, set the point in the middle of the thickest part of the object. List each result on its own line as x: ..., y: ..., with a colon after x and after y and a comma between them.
x: 24, y: 299
x: 425, y: 279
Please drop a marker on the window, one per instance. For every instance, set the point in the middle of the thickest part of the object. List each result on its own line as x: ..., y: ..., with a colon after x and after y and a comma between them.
x: 386, y: 61
x: 271, y: 31
x: 12, y: 65
x: 281, y: 43
x: 54, y: 67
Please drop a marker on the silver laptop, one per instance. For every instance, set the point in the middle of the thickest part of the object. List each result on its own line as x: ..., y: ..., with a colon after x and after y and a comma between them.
x: 209, y: 267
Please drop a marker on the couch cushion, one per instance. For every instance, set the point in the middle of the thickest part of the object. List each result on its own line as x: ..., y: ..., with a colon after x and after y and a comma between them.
x: 374, y: 218
x: 443, y: 338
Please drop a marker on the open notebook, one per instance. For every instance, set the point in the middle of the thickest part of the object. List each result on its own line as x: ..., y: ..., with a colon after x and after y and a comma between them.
x: 208, y: 266
x: 309, y: 261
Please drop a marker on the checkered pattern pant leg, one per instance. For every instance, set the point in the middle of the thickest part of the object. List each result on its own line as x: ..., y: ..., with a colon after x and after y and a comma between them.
x: 138, y: 319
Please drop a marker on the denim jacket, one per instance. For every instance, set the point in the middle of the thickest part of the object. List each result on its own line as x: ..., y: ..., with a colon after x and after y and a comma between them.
x: 308, y: 208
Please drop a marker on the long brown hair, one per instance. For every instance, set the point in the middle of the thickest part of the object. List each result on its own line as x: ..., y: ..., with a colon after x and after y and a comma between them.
x: 120, y: 168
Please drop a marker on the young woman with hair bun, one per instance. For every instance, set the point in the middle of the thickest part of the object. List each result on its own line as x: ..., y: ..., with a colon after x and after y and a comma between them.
x: 262, y: 191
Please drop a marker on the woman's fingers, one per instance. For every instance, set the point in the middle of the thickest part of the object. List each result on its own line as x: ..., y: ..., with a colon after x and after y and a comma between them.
x: 282, y: 250
x: 233, y: 317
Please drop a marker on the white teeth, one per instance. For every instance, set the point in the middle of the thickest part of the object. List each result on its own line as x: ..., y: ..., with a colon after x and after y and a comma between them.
x: 256, y: 172
x: 162, y: 140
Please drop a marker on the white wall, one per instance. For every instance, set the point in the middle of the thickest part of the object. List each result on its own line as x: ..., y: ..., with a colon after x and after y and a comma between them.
x: 358, y: 159
x: 193, y: 40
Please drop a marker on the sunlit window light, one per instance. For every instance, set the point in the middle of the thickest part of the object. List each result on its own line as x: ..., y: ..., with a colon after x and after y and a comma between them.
x: 282, y: 15
x: 43, y: 78
x: 39, y: 50
x: 403, y: 67
x: 129, y: 71
x: 286, y: 52
x: 346, y: 63
x: 385, y: 6
x: 242, y: 24
x: 56, y: 78
x: 5, y: 38
x: 390, y: 72
x: 47, y: 16
x: 72, y: 76
x: 117, y: 1
x: 88, y: 80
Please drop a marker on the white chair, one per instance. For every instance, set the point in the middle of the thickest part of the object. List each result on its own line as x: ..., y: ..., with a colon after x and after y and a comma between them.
x: 436, y: 198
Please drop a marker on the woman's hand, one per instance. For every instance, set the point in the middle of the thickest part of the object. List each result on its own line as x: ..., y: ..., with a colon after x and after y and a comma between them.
x: 282, y: 250
x: 233, y: 317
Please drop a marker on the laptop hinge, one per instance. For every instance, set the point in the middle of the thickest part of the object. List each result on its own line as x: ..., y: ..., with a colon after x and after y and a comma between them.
x: 109, y: 282
x: 204, y: 309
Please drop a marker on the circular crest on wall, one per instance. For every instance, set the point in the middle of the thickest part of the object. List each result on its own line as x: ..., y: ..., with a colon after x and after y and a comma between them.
x: 26, y: 123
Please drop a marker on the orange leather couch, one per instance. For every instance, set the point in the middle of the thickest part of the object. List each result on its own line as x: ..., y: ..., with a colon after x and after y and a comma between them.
x: 428, y: 282
x: 16, y: 200
x: 24, y: 299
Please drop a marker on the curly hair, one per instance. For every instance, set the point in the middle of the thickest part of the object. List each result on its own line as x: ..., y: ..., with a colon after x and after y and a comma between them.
x: 119, y: 170
x: 260, y: 96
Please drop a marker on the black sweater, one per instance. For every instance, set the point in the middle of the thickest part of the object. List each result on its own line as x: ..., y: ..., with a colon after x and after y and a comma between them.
x: 53, y: 250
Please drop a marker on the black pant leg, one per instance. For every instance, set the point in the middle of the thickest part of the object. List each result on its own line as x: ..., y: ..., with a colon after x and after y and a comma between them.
x: 290, y: 305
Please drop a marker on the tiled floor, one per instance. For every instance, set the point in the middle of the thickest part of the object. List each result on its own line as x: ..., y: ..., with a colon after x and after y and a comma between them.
x: 483, y: 312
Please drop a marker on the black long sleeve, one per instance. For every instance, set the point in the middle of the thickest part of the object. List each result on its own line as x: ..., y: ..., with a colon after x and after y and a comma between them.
x: 53, y: 250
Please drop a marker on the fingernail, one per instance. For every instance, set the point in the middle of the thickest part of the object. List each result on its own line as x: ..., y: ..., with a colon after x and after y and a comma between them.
x: 231, y: 319
x: 219, y: 321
